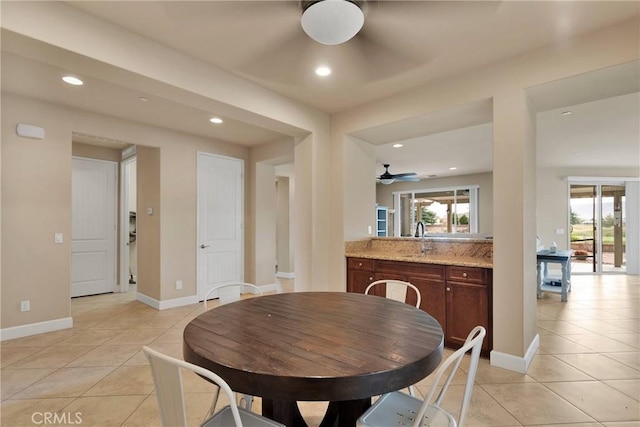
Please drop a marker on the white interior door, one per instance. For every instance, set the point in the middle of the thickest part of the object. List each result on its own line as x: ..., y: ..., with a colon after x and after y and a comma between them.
x: 93, y: 232
x: 220, y: 221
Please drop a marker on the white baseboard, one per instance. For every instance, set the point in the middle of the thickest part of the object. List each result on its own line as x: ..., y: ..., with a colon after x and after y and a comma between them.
x: 35, y: 328
x: 285, y: 275
x: 165, y: 304
x: 516, y: 363
x: 272, y: 287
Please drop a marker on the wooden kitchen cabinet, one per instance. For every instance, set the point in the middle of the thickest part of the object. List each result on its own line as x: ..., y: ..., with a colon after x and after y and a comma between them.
x: 359, y: 274
x: 458, y: 297
x: 469, y: 304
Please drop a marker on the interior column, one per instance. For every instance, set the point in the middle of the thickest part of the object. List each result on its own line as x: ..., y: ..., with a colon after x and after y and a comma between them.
x: 514, y: 253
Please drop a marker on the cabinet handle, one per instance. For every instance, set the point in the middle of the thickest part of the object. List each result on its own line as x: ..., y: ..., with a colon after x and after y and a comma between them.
x: 448, y: 289
x: 371, y: 278
x: 359, y: 264
x: 464, y: 274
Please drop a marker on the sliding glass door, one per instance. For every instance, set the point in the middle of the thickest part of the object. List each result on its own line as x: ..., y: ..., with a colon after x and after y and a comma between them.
x: 597, y: 223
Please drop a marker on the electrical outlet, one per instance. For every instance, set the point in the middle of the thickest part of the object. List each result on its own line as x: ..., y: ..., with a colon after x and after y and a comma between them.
x: 178, y: 284
x: 25, y: 305
x: 369, y: 230
x: 559, y: 230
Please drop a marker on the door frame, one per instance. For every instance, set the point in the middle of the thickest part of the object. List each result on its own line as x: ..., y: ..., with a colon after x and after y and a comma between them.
x: 199, y: 155
x: 115, y: 216
x: 124, y: 224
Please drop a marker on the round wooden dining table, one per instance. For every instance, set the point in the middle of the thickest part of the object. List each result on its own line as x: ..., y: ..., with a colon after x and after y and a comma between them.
x: 338, y: 347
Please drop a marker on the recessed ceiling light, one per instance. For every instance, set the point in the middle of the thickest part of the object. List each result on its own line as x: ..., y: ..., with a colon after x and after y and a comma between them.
x: 144, y: 99
x: 566, y: 113
x: 453, y: 168
x: 397, y: 145
x: 323, y: 71
x: 216, y: 120
x: 73, y: 80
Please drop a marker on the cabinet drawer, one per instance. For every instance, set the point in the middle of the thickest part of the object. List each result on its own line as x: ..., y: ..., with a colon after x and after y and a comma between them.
x: 467, y: 274
x: 429, y: 271
x: 360, y: 264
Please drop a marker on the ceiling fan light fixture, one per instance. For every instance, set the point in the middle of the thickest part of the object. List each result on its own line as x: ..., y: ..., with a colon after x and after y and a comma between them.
x: 387, y: 181
x: 323, y: 71
x: 331, y: 22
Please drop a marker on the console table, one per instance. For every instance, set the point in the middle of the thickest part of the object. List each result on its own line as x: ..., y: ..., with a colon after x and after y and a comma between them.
x: 563, y: 258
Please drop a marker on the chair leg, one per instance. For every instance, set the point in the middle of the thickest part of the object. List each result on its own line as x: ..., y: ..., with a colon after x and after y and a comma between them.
x: 212, y: 409
x: 246, y: 401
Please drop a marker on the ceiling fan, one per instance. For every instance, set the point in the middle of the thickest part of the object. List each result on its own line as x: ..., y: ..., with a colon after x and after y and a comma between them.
x: 352, y: 36
x: 389, y: 178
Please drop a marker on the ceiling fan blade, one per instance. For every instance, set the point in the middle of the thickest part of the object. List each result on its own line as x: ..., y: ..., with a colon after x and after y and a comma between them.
x: 290, y: 60
x: 407, y: 179
x: 402, y: 175
x: 364, y: 59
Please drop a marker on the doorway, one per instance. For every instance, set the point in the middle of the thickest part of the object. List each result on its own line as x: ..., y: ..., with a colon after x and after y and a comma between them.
x: 128, y: 221
x: 597, y: 223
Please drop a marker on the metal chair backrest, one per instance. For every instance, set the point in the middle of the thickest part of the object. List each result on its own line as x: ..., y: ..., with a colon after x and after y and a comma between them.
x: 473, y: 343
x: 396, y: 290
x: 398, y: 408
x: 230, y: 292
x: 167, y: 380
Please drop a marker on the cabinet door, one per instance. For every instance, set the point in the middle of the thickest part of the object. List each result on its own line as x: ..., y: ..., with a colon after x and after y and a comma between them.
x: 433, y: 298
x: 467, y: 307
x: 358, y: 280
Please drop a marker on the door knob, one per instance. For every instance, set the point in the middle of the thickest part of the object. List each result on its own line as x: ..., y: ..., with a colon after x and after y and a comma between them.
x: 202, y: 246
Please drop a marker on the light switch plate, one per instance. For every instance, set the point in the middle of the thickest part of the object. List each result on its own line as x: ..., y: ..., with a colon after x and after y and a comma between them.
x: 559, y: 230
x: 58, y: 238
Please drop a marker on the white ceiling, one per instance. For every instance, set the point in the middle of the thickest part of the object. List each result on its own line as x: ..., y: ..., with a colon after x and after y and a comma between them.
x: 404, y: 44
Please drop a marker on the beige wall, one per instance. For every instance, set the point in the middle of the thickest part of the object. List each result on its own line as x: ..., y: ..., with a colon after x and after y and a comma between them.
x: 283, y: 233
x: 265, y: 224
x: 148, y: 233
x: 96, y: 152
x: 36, y: 203
x: 384, y: 193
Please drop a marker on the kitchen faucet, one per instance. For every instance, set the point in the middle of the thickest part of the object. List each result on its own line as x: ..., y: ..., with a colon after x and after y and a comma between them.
x: 420, y: 233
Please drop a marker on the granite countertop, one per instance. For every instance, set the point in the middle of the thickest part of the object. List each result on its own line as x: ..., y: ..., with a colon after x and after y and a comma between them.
x: 426, y: 259
x: 463, y: 252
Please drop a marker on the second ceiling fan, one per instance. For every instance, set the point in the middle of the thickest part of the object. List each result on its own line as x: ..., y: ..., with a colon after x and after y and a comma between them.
x: 389, y: 178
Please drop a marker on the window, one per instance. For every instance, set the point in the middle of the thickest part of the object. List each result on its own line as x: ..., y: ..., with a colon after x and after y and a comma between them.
x: 451, y: 210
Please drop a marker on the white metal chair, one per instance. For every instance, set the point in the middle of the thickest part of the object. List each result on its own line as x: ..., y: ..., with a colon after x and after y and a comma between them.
x: 396, y: 290
x: 398, y: 408
x: 167, y: 380
x: 230, y: 292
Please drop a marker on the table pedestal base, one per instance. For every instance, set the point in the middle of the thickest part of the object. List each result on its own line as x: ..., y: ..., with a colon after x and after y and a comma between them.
x: 339, y: 414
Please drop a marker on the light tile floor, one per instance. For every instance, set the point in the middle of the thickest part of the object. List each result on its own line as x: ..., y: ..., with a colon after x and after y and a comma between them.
x: 586, y: 372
